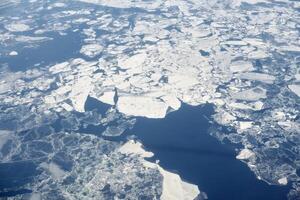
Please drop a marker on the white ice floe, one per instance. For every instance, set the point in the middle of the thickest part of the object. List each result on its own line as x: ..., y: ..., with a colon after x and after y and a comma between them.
x: 80, y: 92
x: 4, y: 137
x: 91, y: 50
x: 142, y: 106
x: 59, y: 5
x: 56, y: 172
x: 283, y: 181
x: 132, y: 62
x: 126, y: 3
x: 245, y: 125
x: 239, y: 2
x: 253, y: 94
x: 107, y: 97
x: 245, y: 154
x: 295, y: 89
x: 17, y: 27
x: 224, y: 118
x: 133, y: 147
x: 259, y: 54
x: 13, y: 53
x: 35, y: 196
x: 241, y: 66
x: 61, y: 67
x: 173, y: 186
x: 266, y: 78
x: 172, y: 101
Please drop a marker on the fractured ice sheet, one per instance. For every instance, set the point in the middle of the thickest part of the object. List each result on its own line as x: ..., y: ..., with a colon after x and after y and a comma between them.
x: 242, y: 56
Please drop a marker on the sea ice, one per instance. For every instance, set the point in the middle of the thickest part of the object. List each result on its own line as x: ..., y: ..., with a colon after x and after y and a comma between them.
x: 17, y: 27
x: 266, y: 78
x: 245, y: 154
x: 173, y: 186
x: 253, y: 94
x: 80, y: 92
x: 91, y: 50
x: 142, y: 106
x: 295, y: 89
x: 13, y: 53
x: 283, y: 181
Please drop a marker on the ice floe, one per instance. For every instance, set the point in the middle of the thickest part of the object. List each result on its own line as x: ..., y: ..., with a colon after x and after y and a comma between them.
x: 245, y: 154
x: 142, y: 106
x: 295, y: 89
x: 17, y: 27
x: 91, y: 50
x: 13, y: 53
x: 252, y: 94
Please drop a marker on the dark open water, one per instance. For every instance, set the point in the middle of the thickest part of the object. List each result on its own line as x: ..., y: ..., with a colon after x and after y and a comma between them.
x: 182, y: 144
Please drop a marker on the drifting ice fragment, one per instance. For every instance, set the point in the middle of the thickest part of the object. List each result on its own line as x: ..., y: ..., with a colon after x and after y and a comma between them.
x: 80, y: 92
x: 13, y: 53
x: 107, y: 97
x: 257, y: 77
x: 17, y: 27
x: 133, y: 62
x: 142, y: 106
x: 253, y: 94
x: 283, y: 181
x: 245, y: 154
x: 91, y: 50
x: 295, y: 89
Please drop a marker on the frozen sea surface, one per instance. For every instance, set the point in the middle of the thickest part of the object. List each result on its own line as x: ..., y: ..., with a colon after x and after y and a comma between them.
x: 92, y: 88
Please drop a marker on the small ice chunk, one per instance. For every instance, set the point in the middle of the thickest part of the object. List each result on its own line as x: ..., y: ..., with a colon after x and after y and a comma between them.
x: 17, y: 27
x: 295, y: 89
x: 114, y: 131
x: 13, y: 53
x: 142, y: 106
x: 224, y: 118
x: 283, y: 181
x: 61, y: 67
x: 55, y: 171
x: 4, y: 137
x: 107, y: 97
x: 297, y: 77
x: 66, y: 106
x: 245, y: 154
x: 259, y: 54
x: 266, y: 78
x: 35, y: 196
x: 241, y: 66
x: 4, y: 87
x: 172, y: 101
x: 236, y: 43
x: 91, y: 50
x: 59, y: 5
x: 134, y: 61
x: 80, y: 92
x: 252, y: 94
x: 132, y: 147
x: 245, y: 125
